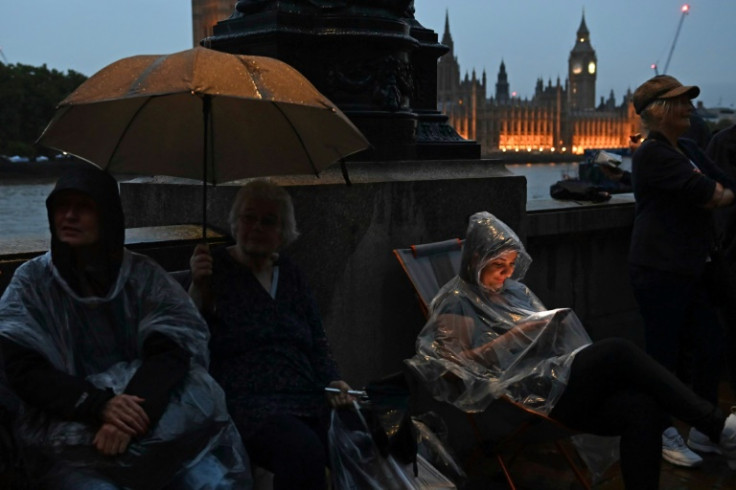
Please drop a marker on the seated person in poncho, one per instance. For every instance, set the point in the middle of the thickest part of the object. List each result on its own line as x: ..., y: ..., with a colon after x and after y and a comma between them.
x: 489, y: 337
x: 109, y: 357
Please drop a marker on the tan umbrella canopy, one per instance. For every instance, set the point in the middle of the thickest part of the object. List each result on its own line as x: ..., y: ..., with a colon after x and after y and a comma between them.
x: 202, y: 114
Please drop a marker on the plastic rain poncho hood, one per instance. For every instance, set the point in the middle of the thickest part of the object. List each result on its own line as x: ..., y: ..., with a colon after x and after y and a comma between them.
x: 479, y: 345
x: 100, y: 338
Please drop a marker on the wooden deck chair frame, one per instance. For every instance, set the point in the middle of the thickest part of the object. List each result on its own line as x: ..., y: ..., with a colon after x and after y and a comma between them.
x: 429, y: 266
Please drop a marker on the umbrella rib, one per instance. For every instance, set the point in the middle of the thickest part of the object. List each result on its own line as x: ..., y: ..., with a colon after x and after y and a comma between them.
x: 299, y: 137
x: 125, y: 131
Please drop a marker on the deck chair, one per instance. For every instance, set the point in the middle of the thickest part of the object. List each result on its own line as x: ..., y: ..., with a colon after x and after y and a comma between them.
x: 505, y: 427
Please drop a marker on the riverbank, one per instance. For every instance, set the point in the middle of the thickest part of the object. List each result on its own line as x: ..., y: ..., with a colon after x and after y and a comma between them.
x: 532, y: 157
x: 35, y: 172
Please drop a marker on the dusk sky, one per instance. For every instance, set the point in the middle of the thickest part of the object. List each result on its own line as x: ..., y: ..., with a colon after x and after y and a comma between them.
x: 532, y: 37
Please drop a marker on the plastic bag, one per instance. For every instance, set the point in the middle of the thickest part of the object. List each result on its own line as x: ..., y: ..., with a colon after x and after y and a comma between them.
x: 598, y: 453
x: 356, y: 461
x: 432, y: 446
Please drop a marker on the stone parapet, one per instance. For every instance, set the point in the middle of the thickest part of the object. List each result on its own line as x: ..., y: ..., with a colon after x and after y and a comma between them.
x: 580, y: 253
x: 348, y: 233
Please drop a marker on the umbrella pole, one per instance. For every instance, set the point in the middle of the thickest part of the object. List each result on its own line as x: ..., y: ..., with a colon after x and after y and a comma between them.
x: 206, y: 106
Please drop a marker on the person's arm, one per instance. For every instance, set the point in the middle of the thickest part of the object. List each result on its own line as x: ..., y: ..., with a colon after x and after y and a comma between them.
x: 322, y: 361
x: 41, y: 385
x: 724, y: 185
x: 69, y: 397
x: 460, y: 328
x: 164, y: 366
x: 660, y: 166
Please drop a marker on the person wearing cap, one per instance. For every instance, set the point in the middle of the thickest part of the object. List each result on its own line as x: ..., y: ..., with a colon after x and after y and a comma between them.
x: 108, y: 356
x: 676, y: 187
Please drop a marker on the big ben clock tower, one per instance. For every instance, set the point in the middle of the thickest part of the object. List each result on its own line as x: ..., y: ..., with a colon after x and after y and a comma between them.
x: 582, y: 69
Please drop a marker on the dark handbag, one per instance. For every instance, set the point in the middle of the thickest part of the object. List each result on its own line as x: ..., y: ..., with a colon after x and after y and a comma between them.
x: 575, y: 190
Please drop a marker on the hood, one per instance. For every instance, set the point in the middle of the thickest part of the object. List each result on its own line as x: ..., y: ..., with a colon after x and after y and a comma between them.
x: 101, y: 260
x: 487, y: 238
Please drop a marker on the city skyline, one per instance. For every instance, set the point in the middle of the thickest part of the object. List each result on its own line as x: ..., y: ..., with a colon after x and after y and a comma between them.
x: 532, y: 37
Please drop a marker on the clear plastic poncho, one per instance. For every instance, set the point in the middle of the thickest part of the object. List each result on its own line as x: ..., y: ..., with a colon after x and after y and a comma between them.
x: 100, y: 339
x: 480, y: 345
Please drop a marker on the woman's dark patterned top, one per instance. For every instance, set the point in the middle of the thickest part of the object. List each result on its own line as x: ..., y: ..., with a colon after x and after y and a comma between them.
x: 270, y: 355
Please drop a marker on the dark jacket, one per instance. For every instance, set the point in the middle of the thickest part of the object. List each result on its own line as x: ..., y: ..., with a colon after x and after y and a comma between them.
x: 722, y: 150
x: 672, y: 231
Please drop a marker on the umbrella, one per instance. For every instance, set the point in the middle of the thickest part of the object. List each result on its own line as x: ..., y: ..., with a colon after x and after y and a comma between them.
x: 202, y: 114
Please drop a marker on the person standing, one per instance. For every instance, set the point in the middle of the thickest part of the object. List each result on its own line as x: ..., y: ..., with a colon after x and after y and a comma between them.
x: 676, y: 187
x: 722, y: 149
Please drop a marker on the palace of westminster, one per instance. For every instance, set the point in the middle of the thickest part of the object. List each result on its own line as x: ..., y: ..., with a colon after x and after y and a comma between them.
x: 558, y: 118
x: 562, y: 118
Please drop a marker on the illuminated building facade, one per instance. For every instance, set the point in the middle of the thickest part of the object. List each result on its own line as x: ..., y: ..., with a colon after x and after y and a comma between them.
x: 559, y: 117
x: 207, y: 13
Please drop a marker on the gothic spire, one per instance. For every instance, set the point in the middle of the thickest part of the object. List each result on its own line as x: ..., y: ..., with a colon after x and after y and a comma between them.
x: 583, y: 32
x: 446, y: 36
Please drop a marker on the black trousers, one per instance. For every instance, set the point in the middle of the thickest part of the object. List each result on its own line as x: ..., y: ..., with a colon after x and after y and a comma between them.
x: 681, y: 325
x: 616, y: 389
x: 294, y: 449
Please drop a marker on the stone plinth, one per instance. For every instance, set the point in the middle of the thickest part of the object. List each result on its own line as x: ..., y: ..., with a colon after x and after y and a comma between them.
x: 371, y: 58
x: 347, y: 236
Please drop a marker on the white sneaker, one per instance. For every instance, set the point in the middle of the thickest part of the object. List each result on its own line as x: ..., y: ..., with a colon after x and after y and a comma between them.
x: 728, y: 440
x: 702, y: 443
x: 675, y: 451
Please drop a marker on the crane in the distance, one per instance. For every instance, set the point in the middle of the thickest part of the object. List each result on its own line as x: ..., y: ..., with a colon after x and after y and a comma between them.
x: 685, y: 9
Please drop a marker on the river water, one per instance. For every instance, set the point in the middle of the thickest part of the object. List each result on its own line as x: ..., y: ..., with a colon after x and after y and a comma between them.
x: 23, y: 209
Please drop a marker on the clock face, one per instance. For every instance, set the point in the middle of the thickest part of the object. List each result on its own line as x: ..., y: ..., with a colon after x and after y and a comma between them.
x: 577, y: 68
x: 591, y: 67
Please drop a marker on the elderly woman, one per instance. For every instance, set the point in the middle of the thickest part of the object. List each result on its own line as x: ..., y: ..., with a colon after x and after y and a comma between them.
x: 109, y: 357
x: 677, y: 187
x: 269, y: 349
x: 489, y: 337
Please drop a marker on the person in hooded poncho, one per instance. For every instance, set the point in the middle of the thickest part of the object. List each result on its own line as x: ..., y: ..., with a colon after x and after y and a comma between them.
x: 490, y: 337
x: 108, y: 356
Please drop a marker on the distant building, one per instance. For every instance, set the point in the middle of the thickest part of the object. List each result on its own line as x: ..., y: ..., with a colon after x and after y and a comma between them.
x: 207, y: 13
x: 557, y: 118
x: 717, y: 115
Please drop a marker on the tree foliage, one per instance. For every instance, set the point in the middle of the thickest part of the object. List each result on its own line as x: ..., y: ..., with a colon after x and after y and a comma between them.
x: 28, y: 98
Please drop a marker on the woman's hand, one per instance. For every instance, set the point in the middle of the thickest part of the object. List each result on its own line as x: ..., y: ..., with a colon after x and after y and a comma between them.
x: 126, y: 414
x: 200, y: 264
x: 342, y: 398
x: 110, y: 440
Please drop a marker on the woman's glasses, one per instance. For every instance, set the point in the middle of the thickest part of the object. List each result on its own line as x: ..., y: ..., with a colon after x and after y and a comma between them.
x: 267, y: 221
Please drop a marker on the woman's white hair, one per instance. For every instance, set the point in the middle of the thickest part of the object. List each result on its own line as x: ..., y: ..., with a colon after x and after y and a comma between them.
x: 653, y: 114
x: 268, y: 190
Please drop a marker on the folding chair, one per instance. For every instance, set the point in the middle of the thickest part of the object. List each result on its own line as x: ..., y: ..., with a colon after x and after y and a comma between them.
x: 502, y: 430
x: 430, y: 266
